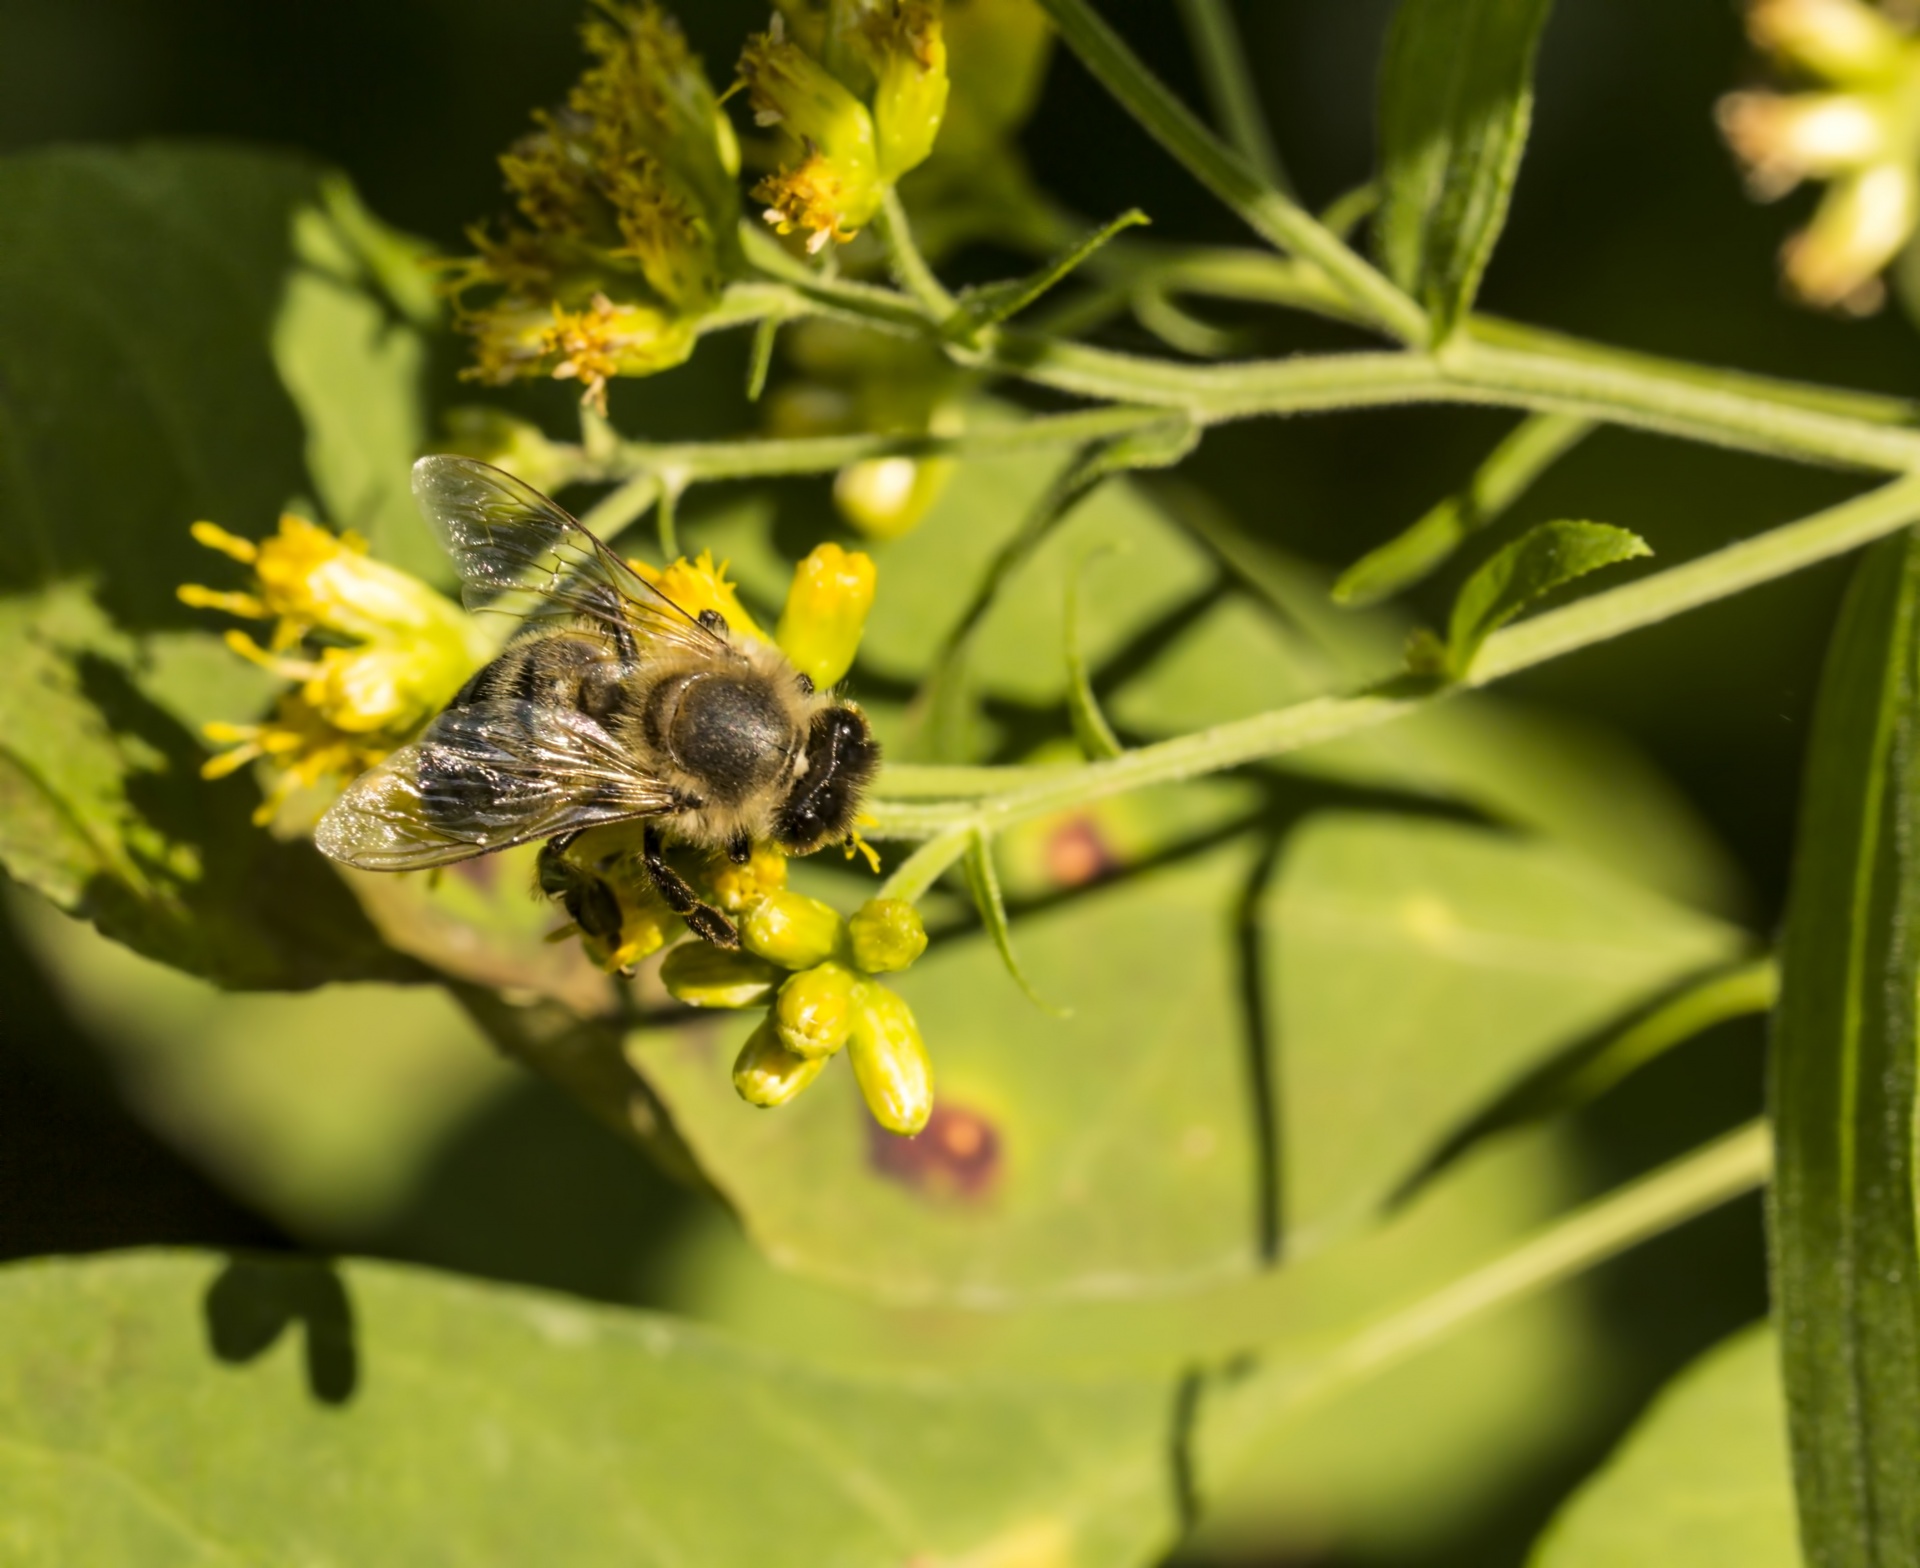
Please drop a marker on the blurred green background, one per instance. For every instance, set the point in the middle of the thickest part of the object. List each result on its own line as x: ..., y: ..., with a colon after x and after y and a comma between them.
x: 137, y: 1106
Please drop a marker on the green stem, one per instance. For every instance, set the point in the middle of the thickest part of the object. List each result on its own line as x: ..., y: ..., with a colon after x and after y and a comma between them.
x: 1239, y: 1413
x: 1593, y: 620
x: 910, y: 269
x: 1222, y: 58
x: 1732, y: 993
x: 1228, y: 175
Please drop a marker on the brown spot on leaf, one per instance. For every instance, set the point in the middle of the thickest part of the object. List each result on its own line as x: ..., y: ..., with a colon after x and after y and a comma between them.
x: 1077, y: 854
x: 956, y: 1155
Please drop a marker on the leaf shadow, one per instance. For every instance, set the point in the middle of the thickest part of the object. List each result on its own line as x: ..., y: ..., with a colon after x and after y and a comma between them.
x: 254, y: 1300
x: 223, y: 898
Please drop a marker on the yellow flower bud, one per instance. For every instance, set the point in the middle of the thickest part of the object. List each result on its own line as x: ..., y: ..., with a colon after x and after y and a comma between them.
x: 767, y: 1074
x: 792, y: 930
x: 705, y: 976
x: 814, y: 1010
x: 891, y: 1063
x: 886, y: 934
x: 826, y: 612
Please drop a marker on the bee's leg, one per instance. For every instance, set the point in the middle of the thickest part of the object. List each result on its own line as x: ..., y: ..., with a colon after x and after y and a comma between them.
x: 739, y: 849
x: 714, y: 622
x: 703, y: 920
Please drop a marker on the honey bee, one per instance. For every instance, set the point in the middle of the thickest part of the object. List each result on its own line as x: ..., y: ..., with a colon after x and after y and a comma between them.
x: 612, y: 704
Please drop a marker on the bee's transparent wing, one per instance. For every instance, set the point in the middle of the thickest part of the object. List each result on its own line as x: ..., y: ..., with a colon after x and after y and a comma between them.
x: 469, y: 786
x: 517, y: 551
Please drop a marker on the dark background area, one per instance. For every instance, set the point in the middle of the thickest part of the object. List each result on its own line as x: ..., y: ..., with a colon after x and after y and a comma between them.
x: 1629, y: 226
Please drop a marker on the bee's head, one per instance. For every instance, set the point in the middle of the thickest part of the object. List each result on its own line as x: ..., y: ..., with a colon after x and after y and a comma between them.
x: 842, y: 757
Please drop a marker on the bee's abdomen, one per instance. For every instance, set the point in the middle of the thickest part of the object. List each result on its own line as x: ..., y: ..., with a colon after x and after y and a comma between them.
x: 733, y: 735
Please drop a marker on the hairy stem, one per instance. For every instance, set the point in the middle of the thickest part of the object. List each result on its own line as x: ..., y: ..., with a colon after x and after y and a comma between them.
x: 1688, y: 1187
x: 1596, y: 619
x: 1268, y: 212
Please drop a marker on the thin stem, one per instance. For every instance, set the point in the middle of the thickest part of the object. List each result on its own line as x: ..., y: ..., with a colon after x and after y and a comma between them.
x: 1222, y: 58
x: 910, y: 269
x: 1228, y: 175
x: 1691, y: 1186
x: 764, y: 459
x: 1732, y: 993
x: 1596, y: 619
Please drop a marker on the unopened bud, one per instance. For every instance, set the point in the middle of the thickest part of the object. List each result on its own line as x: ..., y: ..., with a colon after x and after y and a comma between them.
x: 517, y: 445
x: 814, y: 1010
x: 792, y: 930
x: 767, y: 1074
x: 891, y: 1063
x: 826, y: 613
x: 835, y: 188
x: 705, y: 976
x: 886, y: 934
x: 885, y: 497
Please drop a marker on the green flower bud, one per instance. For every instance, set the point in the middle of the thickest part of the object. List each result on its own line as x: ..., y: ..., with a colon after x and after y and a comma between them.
x: 835, y: 188
x: 814, y: 1010
x: 908, y: 53
x: 826, y: 613
x: 792, y: 930
x: 705, y: 976
x: 517, y: 445
x: 886, y: 934
x: 891, y: 1063
x: 885, y: 497
x: 767, y: 1074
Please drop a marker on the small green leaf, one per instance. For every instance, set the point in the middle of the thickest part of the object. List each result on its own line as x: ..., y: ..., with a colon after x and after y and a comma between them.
x: 184, y: 1409
x: 983, y: 882
x: 993, y: 303
x: 1090, y: 726
x: 1534, y: 446
x: 1700, y: 1482
x: 1532, y: 566
x: 1456, y: 97
x: 1846, y: 1277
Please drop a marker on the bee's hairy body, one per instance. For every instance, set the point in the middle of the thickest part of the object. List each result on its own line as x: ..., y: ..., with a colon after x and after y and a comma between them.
x: 727, y: 738
x: 614, y: 705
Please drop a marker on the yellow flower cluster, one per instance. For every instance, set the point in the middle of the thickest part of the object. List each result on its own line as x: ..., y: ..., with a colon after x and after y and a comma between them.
x: 628, y: 209
x: 371, y: 654
x: 1858, y: 130
x: 815, y: 974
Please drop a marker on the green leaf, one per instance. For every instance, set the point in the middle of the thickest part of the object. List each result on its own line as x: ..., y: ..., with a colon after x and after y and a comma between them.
x: 187, y: 333
x: 1532, y: 566
x: 1419, y: 967
x: 1534, y: 446
x: 1844, y: 1234
x: 1700, y: 1482
x: 1456, y: 98
x: 993, y: 303
x: 180, y: 1409
x: 1417, y: 970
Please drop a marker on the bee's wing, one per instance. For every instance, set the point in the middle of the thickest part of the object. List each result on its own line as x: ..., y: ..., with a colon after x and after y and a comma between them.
x: 508, y: 540
x: 468, y: 786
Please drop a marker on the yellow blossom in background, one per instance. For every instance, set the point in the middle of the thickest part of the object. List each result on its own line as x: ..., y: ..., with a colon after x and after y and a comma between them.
x: 1858, y: 131
x: 371, y: 653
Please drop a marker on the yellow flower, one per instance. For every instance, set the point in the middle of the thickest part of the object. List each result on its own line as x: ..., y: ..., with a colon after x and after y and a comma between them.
x: 605, y: 340
x: 698, y: 586
x: 372, y: 653
x: 1861, y: 133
